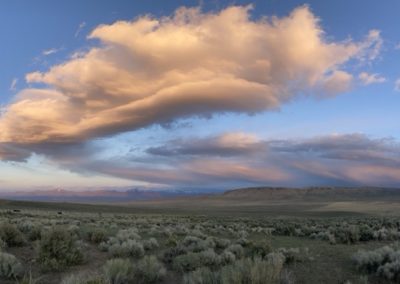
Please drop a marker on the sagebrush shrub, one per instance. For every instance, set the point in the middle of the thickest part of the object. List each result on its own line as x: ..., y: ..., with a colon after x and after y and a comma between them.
x: 35, y: 233
x: 118, y: 271
x: 2, y: 244
x: 171, y: 253
x: 128, y: 248
x: 202, y: 275
x: 11, y: 235
x: 150, y: 244
x: 347, y: 234
x: 10, y: 267
x: 82, y: 278
x: 384, y: 262
x: 294, y: 254
x: 244, y: 271
x: 221, y: 243
x: 237, y: 250
x: 187, y: 262
x: 260, y: 249
x: 97, y: 235
x: 150, y: 270
x: 227, y: 257
x: 58, y: 250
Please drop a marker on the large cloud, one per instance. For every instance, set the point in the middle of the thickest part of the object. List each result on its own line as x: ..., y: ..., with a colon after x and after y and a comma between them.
x: 234, y: 159
x: 242, y: 159
x: 154, y: 71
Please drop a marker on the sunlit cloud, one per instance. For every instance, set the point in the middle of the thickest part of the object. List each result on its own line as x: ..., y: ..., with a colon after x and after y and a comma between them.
x: 157, y: 71
x: 351, y: 159
x: 154, y: 71
x: 367, y: 79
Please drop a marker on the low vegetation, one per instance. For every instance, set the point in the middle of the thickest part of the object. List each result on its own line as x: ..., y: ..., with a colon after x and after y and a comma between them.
x: 39, y: 246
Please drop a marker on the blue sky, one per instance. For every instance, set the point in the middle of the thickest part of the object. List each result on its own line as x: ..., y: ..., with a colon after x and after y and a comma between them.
x: 38, y: 36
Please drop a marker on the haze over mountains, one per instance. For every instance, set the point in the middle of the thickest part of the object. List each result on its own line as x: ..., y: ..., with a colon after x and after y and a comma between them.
x: 106, y: 196
x: 259, y: 194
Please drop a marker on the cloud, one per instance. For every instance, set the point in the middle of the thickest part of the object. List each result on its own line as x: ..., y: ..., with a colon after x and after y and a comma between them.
x: 79, y: 29
x: 193, y: 64
x: 13, y: 86
x: 372, y: 46
x: 50, y: 51
x: 397, y: 85
x: 223, y: 162
x: 228, y: 144
x: 345, y: 159
x: 367, y: 79
x: 11, y: 153
x: 156, y: 71
x: 234, y: 159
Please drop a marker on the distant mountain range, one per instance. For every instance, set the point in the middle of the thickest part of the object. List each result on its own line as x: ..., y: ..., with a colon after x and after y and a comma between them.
x: 253, y: 194
x: 89, y: 196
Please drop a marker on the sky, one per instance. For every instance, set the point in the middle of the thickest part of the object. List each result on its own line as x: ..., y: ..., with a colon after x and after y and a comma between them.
x: 199, y: 94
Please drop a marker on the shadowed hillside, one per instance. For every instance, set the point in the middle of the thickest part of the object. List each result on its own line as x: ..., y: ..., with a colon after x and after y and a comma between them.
x: 313, y: 193
x: 264, y: 201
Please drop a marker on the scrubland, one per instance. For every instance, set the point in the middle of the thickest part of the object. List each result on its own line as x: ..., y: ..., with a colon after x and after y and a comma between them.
x: 91, y: 247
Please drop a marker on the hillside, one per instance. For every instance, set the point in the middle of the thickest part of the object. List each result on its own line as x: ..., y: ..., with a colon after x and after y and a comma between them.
x: 325, y: 194
x: 260, y: 201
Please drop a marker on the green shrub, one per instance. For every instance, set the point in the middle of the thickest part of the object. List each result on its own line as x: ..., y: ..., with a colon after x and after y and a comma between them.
x: 128, y: 248
x: 227, y: 257
x: 384, y: 262
x: 222, y: 243
x: 118, y: 271
x: 10, y: 267
x: 195, y: 244
x: 96, y: 236
x: 390, y: 270
x: 202, y: 275
x: 35, y: 233
x: 260, y: 249
x: 237, y: 250
x: 82, y: 278
x: 58, y: 250
x: 170, y: 254
x: 11, y: 235
x: 294, y: 254
x: 347, y: 234
x: 150, y: 244
x: 28, y: 279
x: 193, y: 260
x: 2, y: 244
x: 366, y: 233
x: 287, y: 277
x: 252, y: 271
x: 187, y: 262
x: 150, y: 270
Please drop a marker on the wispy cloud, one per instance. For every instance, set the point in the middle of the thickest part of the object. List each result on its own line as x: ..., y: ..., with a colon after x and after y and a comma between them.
x: 351, y: 159
x: 50, y: 51
x: 397, y: 85
x: 367, y: 79
x: 13, y: 86
x: 79, y: 29
x: 42, y: 58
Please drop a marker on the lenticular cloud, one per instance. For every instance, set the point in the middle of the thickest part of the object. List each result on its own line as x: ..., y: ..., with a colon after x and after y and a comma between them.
x: 157, y: 70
